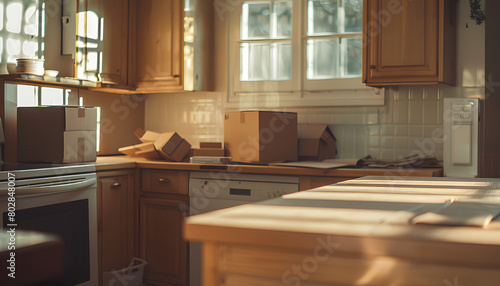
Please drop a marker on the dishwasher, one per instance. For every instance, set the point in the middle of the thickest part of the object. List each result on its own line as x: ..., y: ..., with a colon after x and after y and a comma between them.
x: 210, y: 191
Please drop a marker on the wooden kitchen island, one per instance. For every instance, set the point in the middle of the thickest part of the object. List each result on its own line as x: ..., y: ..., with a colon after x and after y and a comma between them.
x: 368, y: 231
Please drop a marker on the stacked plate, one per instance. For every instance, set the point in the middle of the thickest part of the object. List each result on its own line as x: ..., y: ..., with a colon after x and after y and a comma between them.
x: 30, y: 66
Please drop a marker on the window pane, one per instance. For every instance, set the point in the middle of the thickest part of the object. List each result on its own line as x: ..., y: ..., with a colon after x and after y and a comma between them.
x: 322, y: 58
x: 52, y: 96
x: 352, y: 49
x: 264, y: 61
x: 353, y: 11
x: 322, y: 17
x: 255, y: 18
x: 281, y: 61
x: 26, y: 95
x: 283, y: 19
x: 254, y: 62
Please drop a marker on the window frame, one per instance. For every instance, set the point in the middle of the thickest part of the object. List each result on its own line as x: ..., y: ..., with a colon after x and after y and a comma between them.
x: 234, y: 53
x: 299, y: 91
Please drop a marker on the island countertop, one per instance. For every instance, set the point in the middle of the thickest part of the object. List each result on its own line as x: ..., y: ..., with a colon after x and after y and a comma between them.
x: 366, y: 224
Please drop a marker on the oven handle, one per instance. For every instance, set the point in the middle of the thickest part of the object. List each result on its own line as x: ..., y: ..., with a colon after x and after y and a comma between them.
x: 63, y: 187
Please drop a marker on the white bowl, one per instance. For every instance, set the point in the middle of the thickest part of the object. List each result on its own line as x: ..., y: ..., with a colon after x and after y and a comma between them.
x: 51, y: 73
x: 11, y: 68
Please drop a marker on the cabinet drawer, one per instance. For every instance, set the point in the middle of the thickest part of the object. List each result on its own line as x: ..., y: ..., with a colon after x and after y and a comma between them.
x: 163, y: 181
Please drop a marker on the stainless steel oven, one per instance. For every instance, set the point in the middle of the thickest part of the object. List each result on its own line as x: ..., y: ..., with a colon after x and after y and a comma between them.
x: 60, y: 200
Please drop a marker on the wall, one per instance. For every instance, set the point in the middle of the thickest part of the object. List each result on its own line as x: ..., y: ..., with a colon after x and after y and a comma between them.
x: 121, y: 115
x: 410, y: 121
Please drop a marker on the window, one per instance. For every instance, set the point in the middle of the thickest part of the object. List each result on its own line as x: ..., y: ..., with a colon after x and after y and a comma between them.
x: 296, y: 48
x: 28, y: 95
x: 21, y: 23
x: 89, y: 45
x: 334, y: 42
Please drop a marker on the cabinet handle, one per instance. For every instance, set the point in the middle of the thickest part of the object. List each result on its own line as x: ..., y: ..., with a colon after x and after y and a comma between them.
x: 164, y: 180
x: 373, y: 67
x: 115, y: 185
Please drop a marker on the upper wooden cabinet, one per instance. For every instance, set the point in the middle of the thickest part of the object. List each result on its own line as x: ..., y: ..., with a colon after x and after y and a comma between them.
x: 137, y: 45
x: 115, y: 44
x: 409, y: 42
x: 102, y: 44
x: 157, y: 65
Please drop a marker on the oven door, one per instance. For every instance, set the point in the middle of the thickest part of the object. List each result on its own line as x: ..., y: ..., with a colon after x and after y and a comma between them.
x: 64, y: 206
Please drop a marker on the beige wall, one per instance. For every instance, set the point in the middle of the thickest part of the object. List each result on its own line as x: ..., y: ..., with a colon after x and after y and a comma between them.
x: 408, y: 122
x: 121, y: 115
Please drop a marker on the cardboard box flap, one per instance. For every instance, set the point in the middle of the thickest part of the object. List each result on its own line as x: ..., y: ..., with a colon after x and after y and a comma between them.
x: 316, y: 131
x: 146, y: 136
x: 80, y: 118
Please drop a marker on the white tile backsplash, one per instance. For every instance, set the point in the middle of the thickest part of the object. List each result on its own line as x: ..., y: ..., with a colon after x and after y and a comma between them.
x: 405, y: 125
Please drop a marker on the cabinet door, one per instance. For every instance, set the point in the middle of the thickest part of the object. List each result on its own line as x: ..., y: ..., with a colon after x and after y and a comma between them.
x: 115, y: 41
x: 158, y: 44
x: 104, y: 53
x: 161, y: 242
x: 405, y: 42
x: 116, y: 219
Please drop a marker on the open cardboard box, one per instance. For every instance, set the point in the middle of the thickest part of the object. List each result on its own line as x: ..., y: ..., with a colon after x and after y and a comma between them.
x: 170, y: 146
x: 316, y: 142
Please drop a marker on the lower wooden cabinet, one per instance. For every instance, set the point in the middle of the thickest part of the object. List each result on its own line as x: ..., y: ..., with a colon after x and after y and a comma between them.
x: 162, y: 208
x: 115, y: 203
x: 161, y: 243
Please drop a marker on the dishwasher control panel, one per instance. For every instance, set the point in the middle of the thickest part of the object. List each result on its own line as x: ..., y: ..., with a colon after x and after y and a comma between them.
x: 241, y: 187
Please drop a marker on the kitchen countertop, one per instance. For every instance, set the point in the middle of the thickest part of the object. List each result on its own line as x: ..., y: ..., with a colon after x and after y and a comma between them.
x: 315, y: 211
x: 365, y: 220
x: 123, y: 162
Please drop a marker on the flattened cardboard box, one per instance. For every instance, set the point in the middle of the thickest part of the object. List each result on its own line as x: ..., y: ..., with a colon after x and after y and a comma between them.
x: 144, y: 150
x: 260, y: 136
x: 62, y: 134
x: 219, y: 152
x: 316, y: 142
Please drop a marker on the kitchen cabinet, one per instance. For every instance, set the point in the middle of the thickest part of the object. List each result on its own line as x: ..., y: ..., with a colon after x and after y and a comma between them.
x: 103, y: 41
x: 409, y: 42
x: 138, y: 45
x: 158, y: 44
x: 163, y: 204
x: 115, y: 203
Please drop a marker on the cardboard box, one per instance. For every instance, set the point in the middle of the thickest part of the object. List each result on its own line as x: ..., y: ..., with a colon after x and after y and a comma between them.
x: 167, y: 145
x: 144, y: 150
x: 261, y: 136
x: 219, y: 152
x: 316, y: 142
x: 210, y: 145
x: 171, y: 146
x: 56, y: 134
